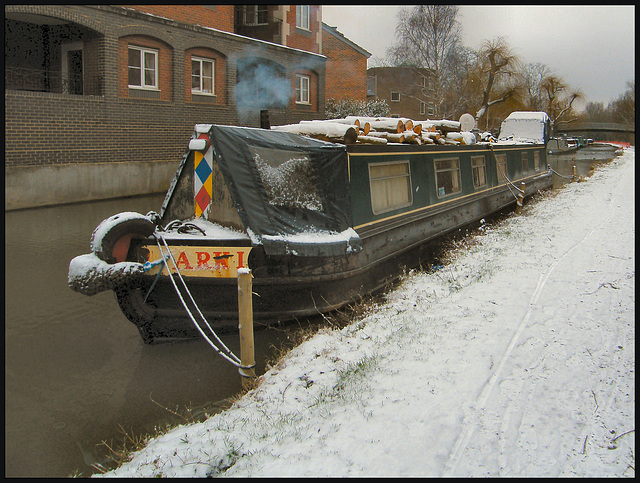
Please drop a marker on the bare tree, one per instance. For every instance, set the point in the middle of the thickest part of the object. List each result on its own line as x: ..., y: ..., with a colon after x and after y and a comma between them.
x: 459, y: 93
x: 595, y: 112
x: 427, y: 35
x: 623, y: 109
x: 559, y: 99
x: 532, y: 77
x: 497, y: 63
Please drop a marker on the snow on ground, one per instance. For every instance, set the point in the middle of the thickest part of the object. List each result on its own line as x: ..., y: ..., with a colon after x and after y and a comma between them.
x: 516, y: 359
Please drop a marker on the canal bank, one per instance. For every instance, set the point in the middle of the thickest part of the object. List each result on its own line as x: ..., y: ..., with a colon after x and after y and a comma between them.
x: 74, y: 183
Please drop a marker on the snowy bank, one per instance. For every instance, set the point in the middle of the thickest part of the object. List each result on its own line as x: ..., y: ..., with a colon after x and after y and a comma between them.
x: 516, y: 359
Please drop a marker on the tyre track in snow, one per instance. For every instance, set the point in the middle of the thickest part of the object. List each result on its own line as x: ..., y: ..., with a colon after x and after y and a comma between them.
x: 515, y: 407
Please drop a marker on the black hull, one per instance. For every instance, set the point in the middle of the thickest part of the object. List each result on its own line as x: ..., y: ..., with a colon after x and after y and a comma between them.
x: 305, y: 287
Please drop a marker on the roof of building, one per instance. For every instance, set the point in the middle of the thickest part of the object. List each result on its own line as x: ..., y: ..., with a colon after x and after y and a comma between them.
x: 339, y: 35
x: 392, y: 69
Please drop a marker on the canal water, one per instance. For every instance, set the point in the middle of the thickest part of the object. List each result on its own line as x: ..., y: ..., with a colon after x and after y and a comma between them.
x: 585, y: 159
x: 76, y: 371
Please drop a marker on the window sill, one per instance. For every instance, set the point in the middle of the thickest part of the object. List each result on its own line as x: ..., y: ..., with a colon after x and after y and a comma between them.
x: 139, y: 88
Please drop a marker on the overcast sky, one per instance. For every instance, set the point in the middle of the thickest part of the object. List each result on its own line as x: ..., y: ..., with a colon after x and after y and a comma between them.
x: 590, y: 47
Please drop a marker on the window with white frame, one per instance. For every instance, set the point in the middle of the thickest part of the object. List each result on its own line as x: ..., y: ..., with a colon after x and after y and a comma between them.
x: 302, y: 89
x: 255, y: 15
x: 395, y: 96
x: 302, y: 16
x: 501, y: 168
x: 479, y: 171
x: 423, y: 108
x: 390, y: 185
x: 432, y: 109
x: 143, y: 68
x: 202, y: 76
x: 447, y: 176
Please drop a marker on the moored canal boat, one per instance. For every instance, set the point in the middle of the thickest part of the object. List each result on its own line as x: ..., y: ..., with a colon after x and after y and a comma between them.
x: 319, y: 224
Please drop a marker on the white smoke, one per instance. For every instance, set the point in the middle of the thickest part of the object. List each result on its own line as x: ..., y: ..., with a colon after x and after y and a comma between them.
x: 261, y: 84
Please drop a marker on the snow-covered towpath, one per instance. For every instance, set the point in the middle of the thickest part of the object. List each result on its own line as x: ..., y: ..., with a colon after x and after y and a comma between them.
x: 516, y: 359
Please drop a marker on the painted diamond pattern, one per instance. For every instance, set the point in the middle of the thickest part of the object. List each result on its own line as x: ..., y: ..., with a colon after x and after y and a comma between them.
x: 202, y: 200
x: 203, y: 170
x: 202, y: 181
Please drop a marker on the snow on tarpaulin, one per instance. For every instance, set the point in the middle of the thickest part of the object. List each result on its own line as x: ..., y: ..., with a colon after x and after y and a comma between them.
x: 283, y: 185
x: 517, y: 359
x: 525, y: 127
x: 341, y: 243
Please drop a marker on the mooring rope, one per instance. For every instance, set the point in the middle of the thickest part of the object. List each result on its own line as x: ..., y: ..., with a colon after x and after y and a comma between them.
x: 511, y: 183
x: 147, y: 266
x: 230, y: 356
x: 565, y: 177
x: 509, y: 187
x: 514, y: 195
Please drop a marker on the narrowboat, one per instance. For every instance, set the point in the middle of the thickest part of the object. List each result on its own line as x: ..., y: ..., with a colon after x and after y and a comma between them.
x: 561, y: 146
x: 318, y: 224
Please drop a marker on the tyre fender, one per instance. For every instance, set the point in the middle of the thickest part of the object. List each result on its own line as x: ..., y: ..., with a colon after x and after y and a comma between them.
x: 111, y: 239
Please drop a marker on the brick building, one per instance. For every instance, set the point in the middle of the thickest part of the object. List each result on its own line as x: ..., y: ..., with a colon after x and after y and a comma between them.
x: 408, y: 90
x: 346, y: 66
x: 101, y: 99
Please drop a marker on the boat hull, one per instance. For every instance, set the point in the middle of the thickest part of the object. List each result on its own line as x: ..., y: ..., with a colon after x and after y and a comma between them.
x: 288, y: 287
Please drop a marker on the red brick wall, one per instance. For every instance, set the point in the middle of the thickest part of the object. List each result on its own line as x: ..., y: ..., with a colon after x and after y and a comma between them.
x: 304, y: 39
x: 110, y: 125
x: 216, y: 16
x: 346, y: 70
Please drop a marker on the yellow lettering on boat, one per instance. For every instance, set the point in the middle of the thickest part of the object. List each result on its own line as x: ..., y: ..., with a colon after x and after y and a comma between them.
x: 221, y: 262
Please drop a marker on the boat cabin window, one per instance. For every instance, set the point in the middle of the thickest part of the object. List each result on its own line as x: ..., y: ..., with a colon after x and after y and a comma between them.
x: 525, y: 162
x: 447, y: 176
x: 536, y: 160
x: 479, y: 170
x: 501, y: 168
x: 390, y: 185
x: 288, y: 178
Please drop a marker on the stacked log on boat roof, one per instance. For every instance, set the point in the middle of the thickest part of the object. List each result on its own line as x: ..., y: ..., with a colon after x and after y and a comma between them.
x: 382, y: 130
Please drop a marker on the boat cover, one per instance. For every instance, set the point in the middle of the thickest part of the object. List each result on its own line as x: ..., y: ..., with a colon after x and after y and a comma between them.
x: 284, y: 186
x: 525, y: 127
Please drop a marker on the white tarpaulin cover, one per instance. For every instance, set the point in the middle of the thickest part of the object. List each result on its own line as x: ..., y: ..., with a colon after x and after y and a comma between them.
x: 525, y: 127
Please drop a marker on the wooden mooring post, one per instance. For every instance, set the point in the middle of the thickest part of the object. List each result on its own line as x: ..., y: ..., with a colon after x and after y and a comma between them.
x: 245, y: 327
x: 520, y: 200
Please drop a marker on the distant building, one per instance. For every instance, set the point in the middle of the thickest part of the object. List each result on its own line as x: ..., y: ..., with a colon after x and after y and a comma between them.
x: 100, y: 100
x: 409, y: 91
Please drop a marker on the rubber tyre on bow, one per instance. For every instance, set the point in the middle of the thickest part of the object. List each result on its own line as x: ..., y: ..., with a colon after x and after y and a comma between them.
x: 114, y: 243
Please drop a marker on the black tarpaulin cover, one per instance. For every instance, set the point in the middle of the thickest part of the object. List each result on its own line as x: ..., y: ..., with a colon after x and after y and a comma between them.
x: 291, y: 191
